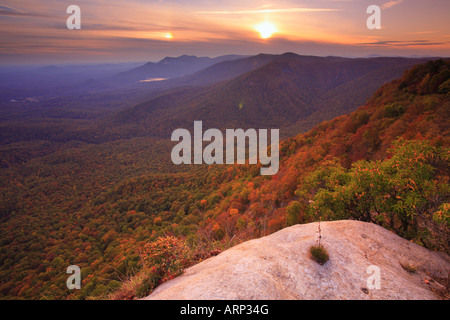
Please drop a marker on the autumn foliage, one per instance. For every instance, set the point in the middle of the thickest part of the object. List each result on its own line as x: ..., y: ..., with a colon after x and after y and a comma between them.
x: 131, y: 220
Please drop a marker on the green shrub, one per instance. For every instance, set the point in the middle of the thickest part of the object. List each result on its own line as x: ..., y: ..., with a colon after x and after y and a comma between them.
x: 406, y: 192
x: 394, y: 110
x: 293, y: 213
x: 319, y: 254
x: 409, y: 268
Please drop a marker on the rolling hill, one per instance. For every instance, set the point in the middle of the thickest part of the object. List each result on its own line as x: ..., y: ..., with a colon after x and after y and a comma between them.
x: 289, y: 91
x: 171, y: 67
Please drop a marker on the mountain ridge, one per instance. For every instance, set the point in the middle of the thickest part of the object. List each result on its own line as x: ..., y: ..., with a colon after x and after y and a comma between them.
x: 284, y: 90
x: 171, y: 67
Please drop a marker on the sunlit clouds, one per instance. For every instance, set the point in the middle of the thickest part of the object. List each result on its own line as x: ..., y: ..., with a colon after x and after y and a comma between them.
x: 390, y: 4
x: 138, y: 30
x: 259, y: 11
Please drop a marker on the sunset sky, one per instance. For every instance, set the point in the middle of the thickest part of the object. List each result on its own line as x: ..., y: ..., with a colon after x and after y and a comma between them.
x: 34, y: 31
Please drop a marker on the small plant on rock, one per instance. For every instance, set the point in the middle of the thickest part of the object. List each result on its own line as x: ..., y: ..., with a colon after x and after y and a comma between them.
x: 319, y: 253
x: 409, y: 268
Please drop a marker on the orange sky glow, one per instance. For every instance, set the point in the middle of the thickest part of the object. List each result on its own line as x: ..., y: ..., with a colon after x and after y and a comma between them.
x: 137, y: 30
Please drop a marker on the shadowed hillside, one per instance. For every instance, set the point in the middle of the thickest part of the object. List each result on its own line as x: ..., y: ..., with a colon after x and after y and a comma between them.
x: 290, y: 92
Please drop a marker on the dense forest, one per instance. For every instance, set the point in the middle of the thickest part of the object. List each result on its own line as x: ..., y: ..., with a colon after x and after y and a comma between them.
x: 131, y: 219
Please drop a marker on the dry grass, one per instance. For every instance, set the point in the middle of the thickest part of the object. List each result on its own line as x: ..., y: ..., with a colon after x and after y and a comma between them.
x: 319, y: 254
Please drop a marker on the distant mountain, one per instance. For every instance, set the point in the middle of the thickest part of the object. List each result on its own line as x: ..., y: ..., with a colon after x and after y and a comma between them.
x: 225, y: 70
x: 232, y: 67
x: 170, y: 67
x: 288, y: 91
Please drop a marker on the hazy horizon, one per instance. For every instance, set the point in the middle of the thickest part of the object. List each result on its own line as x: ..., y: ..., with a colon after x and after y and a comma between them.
x: 140, y: 62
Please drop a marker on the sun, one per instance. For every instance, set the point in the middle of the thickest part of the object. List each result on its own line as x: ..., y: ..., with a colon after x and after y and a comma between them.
x: 168, y: 35
x: 266, y: 29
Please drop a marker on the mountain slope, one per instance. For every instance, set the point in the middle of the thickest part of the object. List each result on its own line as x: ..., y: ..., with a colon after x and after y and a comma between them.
x: 414, y: 108
x: 211, y: 71
x: 98, y: 205
x: 224, y: 70
x: 386, y: 163
x: 287, y: 90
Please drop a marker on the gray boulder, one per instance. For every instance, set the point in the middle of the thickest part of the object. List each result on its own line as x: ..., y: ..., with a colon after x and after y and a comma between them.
x: 279, y: 266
